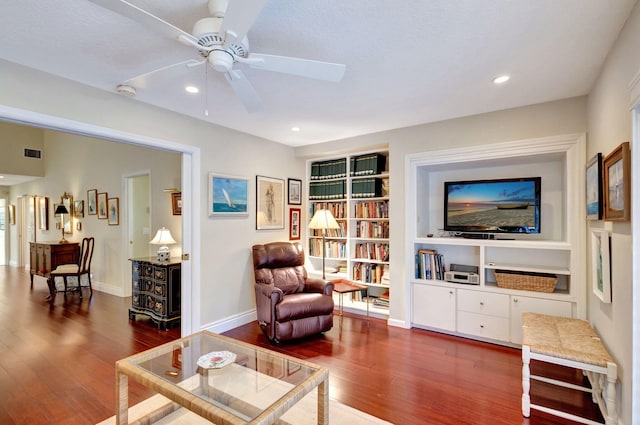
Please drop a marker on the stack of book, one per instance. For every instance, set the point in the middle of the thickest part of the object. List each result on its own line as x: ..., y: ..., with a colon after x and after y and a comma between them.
x: 372, y: 251
x: 331, y: 169
x: 372, y: 209
x: 331, y: 189
x: 429, y: 265
x: 368, y: 273
x: 367, y: 164
x: 370, y: 187
x: 382, y: 300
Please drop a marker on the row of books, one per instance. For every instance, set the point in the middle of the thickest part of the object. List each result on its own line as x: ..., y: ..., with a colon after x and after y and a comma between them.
x: 372, y: 251
x: 333, y: 249
x: 332, y: 233
x: 331, y: 169
x: 372, y: 229
x: 334, y: 189
x: 367, y: 164
x: 372, y: 209
x: 338, y: 209
x: 371, y: 273
x: 366, y: 188
x: 429, y: 265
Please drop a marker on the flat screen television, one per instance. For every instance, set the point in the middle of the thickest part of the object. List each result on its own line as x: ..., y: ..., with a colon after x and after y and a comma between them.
x: 510, y: 205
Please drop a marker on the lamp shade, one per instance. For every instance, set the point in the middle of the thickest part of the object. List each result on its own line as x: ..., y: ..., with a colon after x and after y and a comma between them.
x: 323, y: 219
x: 61, y: 209
x: 163, y: 237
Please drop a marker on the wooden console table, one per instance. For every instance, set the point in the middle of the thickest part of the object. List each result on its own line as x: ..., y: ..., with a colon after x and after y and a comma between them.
x: 46, y: 256
x: 156, y: 290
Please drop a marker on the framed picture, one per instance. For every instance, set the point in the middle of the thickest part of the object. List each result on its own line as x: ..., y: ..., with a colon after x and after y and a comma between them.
x: 102, y: 205
x: 12, y: 214
x: 601, y: 265
x: 269, y: 203
x: 43, y: 213
x: 593, y: 174
x: 176, y: 203
x: 617, y: 193
x: 295, y: 191
x: 79, y: 226
x: 92, y: 202
x: 113, y: 209
x: 78, y: 208
x: 228, y: 195
x: 294, y: 224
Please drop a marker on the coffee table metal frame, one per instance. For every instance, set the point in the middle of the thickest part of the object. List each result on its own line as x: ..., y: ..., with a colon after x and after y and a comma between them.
x: 130, y: 368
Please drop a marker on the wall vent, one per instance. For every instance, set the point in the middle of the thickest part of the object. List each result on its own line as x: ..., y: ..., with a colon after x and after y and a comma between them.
x: 32, y: 153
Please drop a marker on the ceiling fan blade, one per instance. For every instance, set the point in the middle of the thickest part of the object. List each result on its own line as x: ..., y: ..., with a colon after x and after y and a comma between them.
x: 244, y: 90
x: 142, y: 80
x: 145, y: 18
x: 302, y: 67
x: 239, y: 17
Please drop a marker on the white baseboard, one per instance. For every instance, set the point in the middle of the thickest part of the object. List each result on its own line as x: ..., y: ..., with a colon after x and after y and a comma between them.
x: 231, y: 322
x: 118, y: 291
x: 398, y: 323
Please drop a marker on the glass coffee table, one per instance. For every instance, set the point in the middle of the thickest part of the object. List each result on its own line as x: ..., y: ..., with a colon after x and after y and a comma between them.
x: 223, y: 380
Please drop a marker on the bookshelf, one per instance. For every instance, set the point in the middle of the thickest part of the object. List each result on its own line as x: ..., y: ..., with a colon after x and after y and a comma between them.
x: 355, y: 189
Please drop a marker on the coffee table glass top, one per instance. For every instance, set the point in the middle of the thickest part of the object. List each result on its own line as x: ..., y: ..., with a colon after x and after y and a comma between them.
x: 226, y: 375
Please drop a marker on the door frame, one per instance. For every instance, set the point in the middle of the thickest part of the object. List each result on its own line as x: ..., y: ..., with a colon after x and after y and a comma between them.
x: 126, y: 229
x: 190, y: 190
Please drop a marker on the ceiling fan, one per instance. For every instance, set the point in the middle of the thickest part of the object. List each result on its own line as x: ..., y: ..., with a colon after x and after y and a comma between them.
x: 221, y: 42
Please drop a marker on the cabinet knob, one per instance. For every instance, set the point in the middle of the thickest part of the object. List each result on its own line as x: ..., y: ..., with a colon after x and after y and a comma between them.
x: 515, y: 300
x: 450, y: 292
x: 481, y: 302
x: 481, y: 326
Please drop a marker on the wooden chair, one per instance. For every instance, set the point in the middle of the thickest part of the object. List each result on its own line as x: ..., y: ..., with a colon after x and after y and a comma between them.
x: 83, y: 268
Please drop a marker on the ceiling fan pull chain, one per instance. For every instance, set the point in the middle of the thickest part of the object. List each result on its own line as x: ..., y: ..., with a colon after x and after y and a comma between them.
x: 206, y: 90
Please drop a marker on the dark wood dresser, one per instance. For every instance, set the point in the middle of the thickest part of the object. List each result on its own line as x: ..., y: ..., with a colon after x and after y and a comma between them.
x: 46, y: 256
x: 156, y: 290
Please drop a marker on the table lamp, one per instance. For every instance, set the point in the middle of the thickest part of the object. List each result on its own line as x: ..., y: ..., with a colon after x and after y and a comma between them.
x: 323, y: 220
x: 62, y: 210
x: 163, y: 238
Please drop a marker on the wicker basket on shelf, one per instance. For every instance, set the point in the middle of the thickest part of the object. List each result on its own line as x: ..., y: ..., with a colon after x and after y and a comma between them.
x: 526, y: 281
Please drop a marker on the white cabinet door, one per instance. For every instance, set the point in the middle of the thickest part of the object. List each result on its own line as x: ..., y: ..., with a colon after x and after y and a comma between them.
x: 434, y: 306
x: 520, y: 305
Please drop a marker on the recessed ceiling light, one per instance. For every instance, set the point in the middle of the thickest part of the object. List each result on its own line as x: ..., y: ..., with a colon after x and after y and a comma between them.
x: 501, y: 79
x: 295, y: 128
x: 192, y: 89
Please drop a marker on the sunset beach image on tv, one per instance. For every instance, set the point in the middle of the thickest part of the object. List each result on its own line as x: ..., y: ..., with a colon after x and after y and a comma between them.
x: 500, y: 205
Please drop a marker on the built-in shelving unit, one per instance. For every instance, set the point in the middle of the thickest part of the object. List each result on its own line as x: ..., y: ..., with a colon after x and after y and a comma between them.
x: 486, y: 310
x: 355, y: 189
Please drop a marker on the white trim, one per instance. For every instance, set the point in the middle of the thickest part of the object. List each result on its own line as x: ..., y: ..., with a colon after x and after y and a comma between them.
x: 634, y: 92
x: 190, y: 198
x: 231, y: 322
x: 635, y: 243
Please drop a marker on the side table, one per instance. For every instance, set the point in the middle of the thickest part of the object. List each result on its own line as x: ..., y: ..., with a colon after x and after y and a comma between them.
x: 343, y: 286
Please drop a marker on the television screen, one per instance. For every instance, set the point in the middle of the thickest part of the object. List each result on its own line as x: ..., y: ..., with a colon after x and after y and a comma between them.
x: 493, y: 206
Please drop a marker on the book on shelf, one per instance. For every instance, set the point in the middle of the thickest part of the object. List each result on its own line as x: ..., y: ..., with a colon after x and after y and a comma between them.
x: 372, y: 229
x: 368, y: 187
x: 331, y: 169
x: 336, y: 208
x: 372, y: 251
x: 368, y: 273
x: 429, y: 265
x: 372, y: 209
x: 367, y: 164
x: 333, y: 189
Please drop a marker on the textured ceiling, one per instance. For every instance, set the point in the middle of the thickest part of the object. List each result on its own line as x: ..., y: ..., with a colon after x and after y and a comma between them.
x: 408, y: 62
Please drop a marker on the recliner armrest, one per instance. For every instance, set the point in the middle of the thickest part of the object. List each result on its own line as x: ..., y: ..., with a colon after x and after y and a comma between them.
x: 269, y: 291
x: 314, y: 284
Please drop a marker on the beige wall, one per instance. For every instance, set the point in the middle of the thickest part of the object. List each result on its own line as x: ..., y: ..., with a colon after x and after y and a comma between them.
x: 13, y: 140
x: 609, y: 125
x: 75, y: 164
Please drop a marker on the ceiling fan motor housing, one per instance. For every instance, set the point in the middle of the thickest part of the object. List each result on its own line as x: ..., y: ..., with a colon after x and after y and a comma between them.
x: 207, y: 31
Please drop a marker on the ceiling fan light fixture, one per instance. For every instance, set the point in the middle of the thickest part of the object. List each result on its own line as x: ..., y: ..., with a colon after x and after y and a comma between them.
x: 220, y: 60
x: 126, y: 90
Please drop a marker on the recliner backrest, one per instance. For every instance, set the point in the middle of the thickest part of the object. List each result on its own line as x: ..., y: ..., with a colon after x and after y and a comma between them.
x: 280, y: 264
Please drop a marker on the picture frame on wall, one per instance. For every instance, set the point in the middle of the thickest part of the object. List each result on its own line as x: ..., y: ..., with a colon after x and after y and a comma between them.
x: 616, y: 184
x: 43, y: 213
x: 78, y: 208
x: 294, y: 224
x: 593, y: 175
x: 269, y: 203
x: 12, y: 214
x: 228, y: 195
x: 176, y: 203
x: 294, y: 191
x: 601, y: 265
x: 92, y: 202
x: 113, y: 208
x: 101, y: 205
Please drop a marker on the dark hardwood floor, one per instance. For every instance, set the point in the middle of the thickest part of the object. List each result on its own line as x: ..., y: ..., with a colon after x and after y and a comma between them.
x: 57, y: 364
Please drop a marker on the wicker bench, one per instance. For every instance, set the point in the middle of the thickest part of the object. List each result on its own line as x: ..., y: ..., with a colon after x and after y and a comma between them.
x: 572, y: 343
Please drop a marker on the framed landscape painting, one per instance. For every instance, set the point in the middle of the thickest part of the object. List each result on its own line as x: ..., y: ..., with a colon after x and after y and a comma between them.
x: 617, y: 182
x: 228, y: 195
x: 593, y: 174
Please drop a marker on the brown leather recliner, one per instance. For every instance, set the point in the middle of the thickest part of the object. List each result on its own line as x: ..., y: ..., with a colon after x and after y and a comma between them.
x: 289, y: 303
